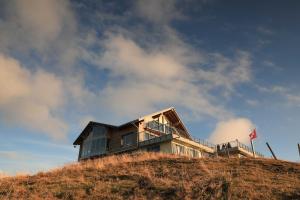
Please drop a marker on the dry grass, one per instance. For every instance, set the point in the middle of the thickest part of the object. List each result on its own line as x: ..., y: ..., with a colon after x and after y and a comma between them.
x: 160, y: 176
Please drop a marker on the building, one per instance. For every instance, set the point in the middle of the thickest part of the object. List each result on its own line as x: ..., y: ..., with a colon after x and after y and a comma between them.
x: 161, y: 131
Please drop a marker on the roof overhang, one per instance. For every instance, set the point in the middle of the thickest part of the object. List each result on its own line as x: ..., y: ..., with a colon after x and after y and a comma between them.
x: 84, y: 134
x: 169, y: 113
x: 172, y: 115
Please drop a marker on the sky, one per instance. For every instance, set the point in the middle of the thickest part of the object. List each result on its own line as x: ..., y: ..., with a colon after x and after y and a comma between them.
x: 226, y: 66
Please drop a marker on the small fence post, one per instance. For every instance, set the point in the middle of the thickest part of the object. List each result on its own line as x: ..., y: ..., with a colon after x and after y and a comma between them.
x: 226, y: 145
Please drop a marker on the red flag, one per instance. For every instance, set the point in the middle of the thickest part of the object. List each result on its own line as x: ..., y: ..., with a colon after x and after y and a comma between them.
x: 253, y: 135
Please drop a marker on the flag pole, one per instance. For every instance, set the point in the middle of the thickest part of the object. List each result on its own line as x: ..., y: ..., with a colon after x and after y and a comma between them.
x: 252, y: 146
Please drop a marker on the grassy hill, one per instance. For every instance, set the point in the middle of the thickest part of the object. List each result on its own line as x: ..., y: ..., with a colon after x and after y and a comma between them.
x: 159, y: 176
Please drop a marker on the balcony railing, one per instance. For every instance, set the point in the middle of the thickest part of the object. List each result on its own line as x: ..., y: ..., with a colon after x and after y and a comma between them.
x: 204, y: 143
x: 124, y: 148
x: 163, y: 128
x: 167, y: 129
x: 158, y: 139
x: 237, y: 144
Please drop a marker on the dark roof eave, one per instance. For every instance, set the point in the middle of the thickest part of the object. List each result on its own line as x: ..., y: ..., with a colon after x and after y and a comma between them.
x: 128, y: 123
x: 80, y: 137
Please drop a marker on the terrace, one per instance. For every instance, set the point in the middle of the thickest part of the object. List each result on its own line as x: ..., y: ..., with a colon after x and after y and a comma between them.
x: 162, y: 132
x: 235, y: 147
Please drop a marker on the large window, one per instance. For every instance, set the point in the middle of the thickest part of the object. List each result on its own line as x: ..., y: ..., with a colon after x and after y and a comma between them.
x: 129, y: 139
x: 193, y: 153
x: 179, y: 149
x: 95, y: 143
x: 155, y: 148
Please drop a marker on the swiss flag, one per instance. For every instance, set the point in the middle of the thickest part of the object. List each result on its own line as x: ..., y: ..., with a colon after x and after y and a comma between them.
x: 253, y: 135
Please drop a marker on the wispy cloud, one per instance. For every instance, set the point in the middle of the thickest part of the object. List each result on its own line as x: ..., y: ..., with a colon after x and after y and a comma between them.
x: 147, y: 73
x: 146, y: 78
x: 264, y: 30
x: 252, y: 102
x: 271, y: 65
x: 158, y: 11
x: 291, y: 97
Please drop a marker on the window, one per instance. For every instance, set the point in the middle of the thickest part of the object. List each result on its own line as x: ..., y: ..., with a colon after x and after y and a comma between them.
x: 155, y: 148
x: 193, y: 153
x: 179, y: 149
x: 128, y: 139
x: 148, y: 136
x: 95, y: 143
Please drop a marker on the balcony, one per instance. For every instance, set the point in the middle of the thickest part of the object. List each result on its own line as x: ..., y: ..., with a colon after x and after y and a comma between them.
x: 236, y: 147
x: 160, y: 128
x: 204, y: 143
x: 163, y: 129
x: 154, y: 140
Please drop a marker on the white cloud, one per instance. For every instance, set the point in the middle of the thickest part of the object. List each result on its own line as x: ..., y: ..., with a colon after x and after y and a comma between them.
x: 142, y: 76
x: 36, y: 99
x: 264, y: 30
x: 293, y: 99
x: 227, y: 72
x: 230, y: 130
x: 29, y: 98
x: 252, y: 102
x: 145, y: 78
x: 36, y: 24
x: 158, y: 11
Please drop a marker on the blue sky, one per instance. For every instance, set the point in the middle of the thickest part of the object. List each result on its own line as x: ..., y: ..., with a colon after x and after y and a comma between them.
x: 226, y: 66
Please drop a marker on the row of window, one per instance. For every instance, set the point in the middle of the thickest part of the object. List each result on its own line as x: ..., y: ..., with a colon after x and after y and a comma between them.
x: 182, y: 150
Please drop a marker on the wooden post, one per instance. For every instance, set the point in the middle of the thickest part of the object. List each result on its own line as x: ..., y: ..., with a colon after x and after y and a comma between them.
x: 253, y: 151
x: 227, y: 149
x: 299, y: 148
x: 216, y: 149
x: 271, y: 151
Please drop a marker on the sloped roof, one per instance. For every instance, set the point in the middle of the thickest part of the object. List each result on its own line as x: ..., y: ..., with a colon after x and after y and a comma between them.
x: 173, y: 115
x: 169, y: 113
x: 89, y: 126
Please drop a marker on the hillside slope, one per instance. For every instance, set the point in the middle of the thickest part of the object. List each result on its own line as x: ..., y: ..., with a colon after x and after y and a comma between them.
x: 159, y: 176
